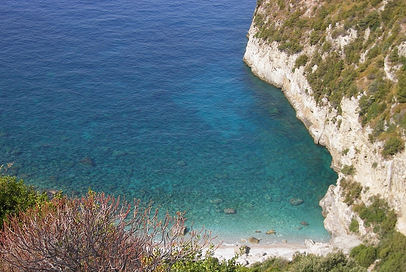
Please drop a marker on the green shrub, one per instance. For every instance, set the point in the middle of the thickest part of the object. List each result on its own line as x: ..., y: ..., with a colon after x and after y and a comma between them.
x: 208, y: 264
x: 301, y: 61
x: 372, y: 21
x: 291, y: 46
x: 281, y: 4
x: 348, y: 170
x: 374, y: 52
x: 16, y: 197
x: 354, y: 225
x: 377, y: 214
x: 364, y: 255
x: 392, y: 146
x: 402, y: 88
x: 315, y: 37
x: 392, y: 252
x: 331, y: 262
x: 271, y: 264
x: 394, y: 55
x: 351, y: 189
x: 375, y: 2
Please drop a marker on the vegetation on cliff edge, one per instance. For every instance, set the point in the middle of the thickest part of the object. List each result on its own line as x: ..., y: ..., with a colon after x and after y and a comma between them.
x: 348, y: 49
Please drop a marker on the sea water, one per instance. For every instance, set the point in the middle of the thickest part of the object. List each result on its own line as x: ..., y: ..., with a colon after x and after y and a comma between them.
x: 151, y: 100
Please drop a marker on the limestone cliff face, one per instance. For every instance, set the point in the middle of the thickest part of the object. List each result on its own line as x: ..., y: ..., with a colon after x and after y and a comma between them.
x: 337, y: 132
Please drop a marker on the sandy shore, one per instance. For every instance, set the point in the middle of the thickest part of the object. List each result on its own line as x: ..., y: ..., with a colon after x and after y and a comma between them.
x: 259, y: 253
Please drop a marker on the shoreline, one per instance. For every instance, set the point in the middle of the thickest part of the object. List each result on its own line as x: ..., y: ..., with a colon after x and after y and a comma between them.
x: 251, y: 253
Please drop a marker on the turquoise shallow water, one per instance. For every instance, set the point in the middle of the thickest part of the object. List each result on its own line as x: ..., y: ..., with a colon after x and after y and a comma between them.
x: 151, y: 99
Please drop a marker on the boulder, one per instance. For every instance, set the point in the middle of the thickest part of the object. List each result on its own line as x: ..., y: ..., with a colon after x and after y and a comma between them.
x: 296, y: 201
x: 216, y: 201
x: 181, y: 163
x: 253, y: 240
x: 87, y: 161
x: 229, y: 211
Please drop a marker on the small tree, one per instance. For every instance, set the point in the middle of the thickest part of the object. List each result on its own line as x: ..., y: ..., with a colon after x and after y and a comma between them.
x: 16, y: 197
x: 95, y: 233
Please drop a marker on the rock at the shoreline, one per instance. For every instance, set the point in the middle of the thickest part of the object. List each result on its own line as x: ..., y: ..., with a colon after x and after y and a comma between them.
x: 258, y: 231
x: 296, y: 201
x: 304, y: 223
x: 309, y: 243
x: 271, y: 231
x: 87, y: 161
x: 253, y: 240
x: 229, y: 211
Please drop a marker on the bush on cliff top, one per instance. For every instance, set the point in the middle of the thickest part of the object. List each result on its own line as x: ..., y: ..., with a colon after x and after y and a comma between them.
x: 364, y: 255
x: 392, y: 146
x: 95, y: 233
x: 16, y: 197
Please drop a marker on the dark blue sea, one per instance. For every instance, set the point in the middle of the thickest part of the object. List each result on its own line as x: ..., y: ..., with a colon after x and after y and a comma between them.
x: 151, y: 100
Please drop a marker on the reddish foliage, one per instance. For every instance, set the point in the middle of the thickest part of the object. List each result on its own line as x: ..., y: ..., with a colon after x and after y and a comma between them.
x: 95, y: 233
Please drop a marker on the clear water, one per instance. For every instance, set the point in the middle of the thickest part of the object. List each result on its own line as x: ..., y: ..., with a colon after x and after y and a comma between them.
x: 151, y: 99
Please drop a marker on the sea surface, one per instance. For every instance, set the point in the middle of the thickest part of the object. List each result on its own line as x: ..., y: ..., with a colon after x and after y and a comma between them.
x: 151, y: 100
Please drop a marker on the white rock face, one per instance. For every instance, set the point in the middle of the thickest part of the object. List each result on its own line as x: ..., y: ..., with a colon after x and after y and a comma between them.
x: 387, y: 179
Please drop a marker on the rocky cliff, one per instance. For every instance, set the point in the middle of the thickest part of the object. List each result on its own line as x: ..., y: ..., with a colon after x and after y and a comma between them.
x: 339, y: 128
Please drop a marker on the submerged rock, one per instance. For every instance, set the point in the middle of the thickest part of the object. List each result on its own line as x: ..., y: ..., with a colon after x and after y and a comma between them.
x: 268, y: 197
x: 181, y: 163
x: 296, y: 201
x: 271, y: 231
x: 229, y: 211
x: 216, y: 201
x: 253, y: 240
x: 221, y: 176
x: 119, y: 153
x: 304, y: 223
x: 87, y: 161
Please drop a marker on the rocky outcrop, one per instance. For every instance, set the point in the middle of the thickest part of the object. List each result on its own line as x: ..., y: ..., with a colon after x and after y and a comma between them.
x: 342, y: 134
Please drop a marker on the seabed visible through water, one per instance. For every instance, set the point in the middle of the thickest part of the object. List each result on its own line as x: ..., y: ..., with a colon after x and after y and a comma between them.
x: 151, y: 99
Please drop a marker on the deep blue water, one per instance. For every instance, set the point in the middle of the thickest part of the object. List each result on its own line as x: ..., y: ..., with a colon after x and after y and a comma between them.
x: 151, y: 99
